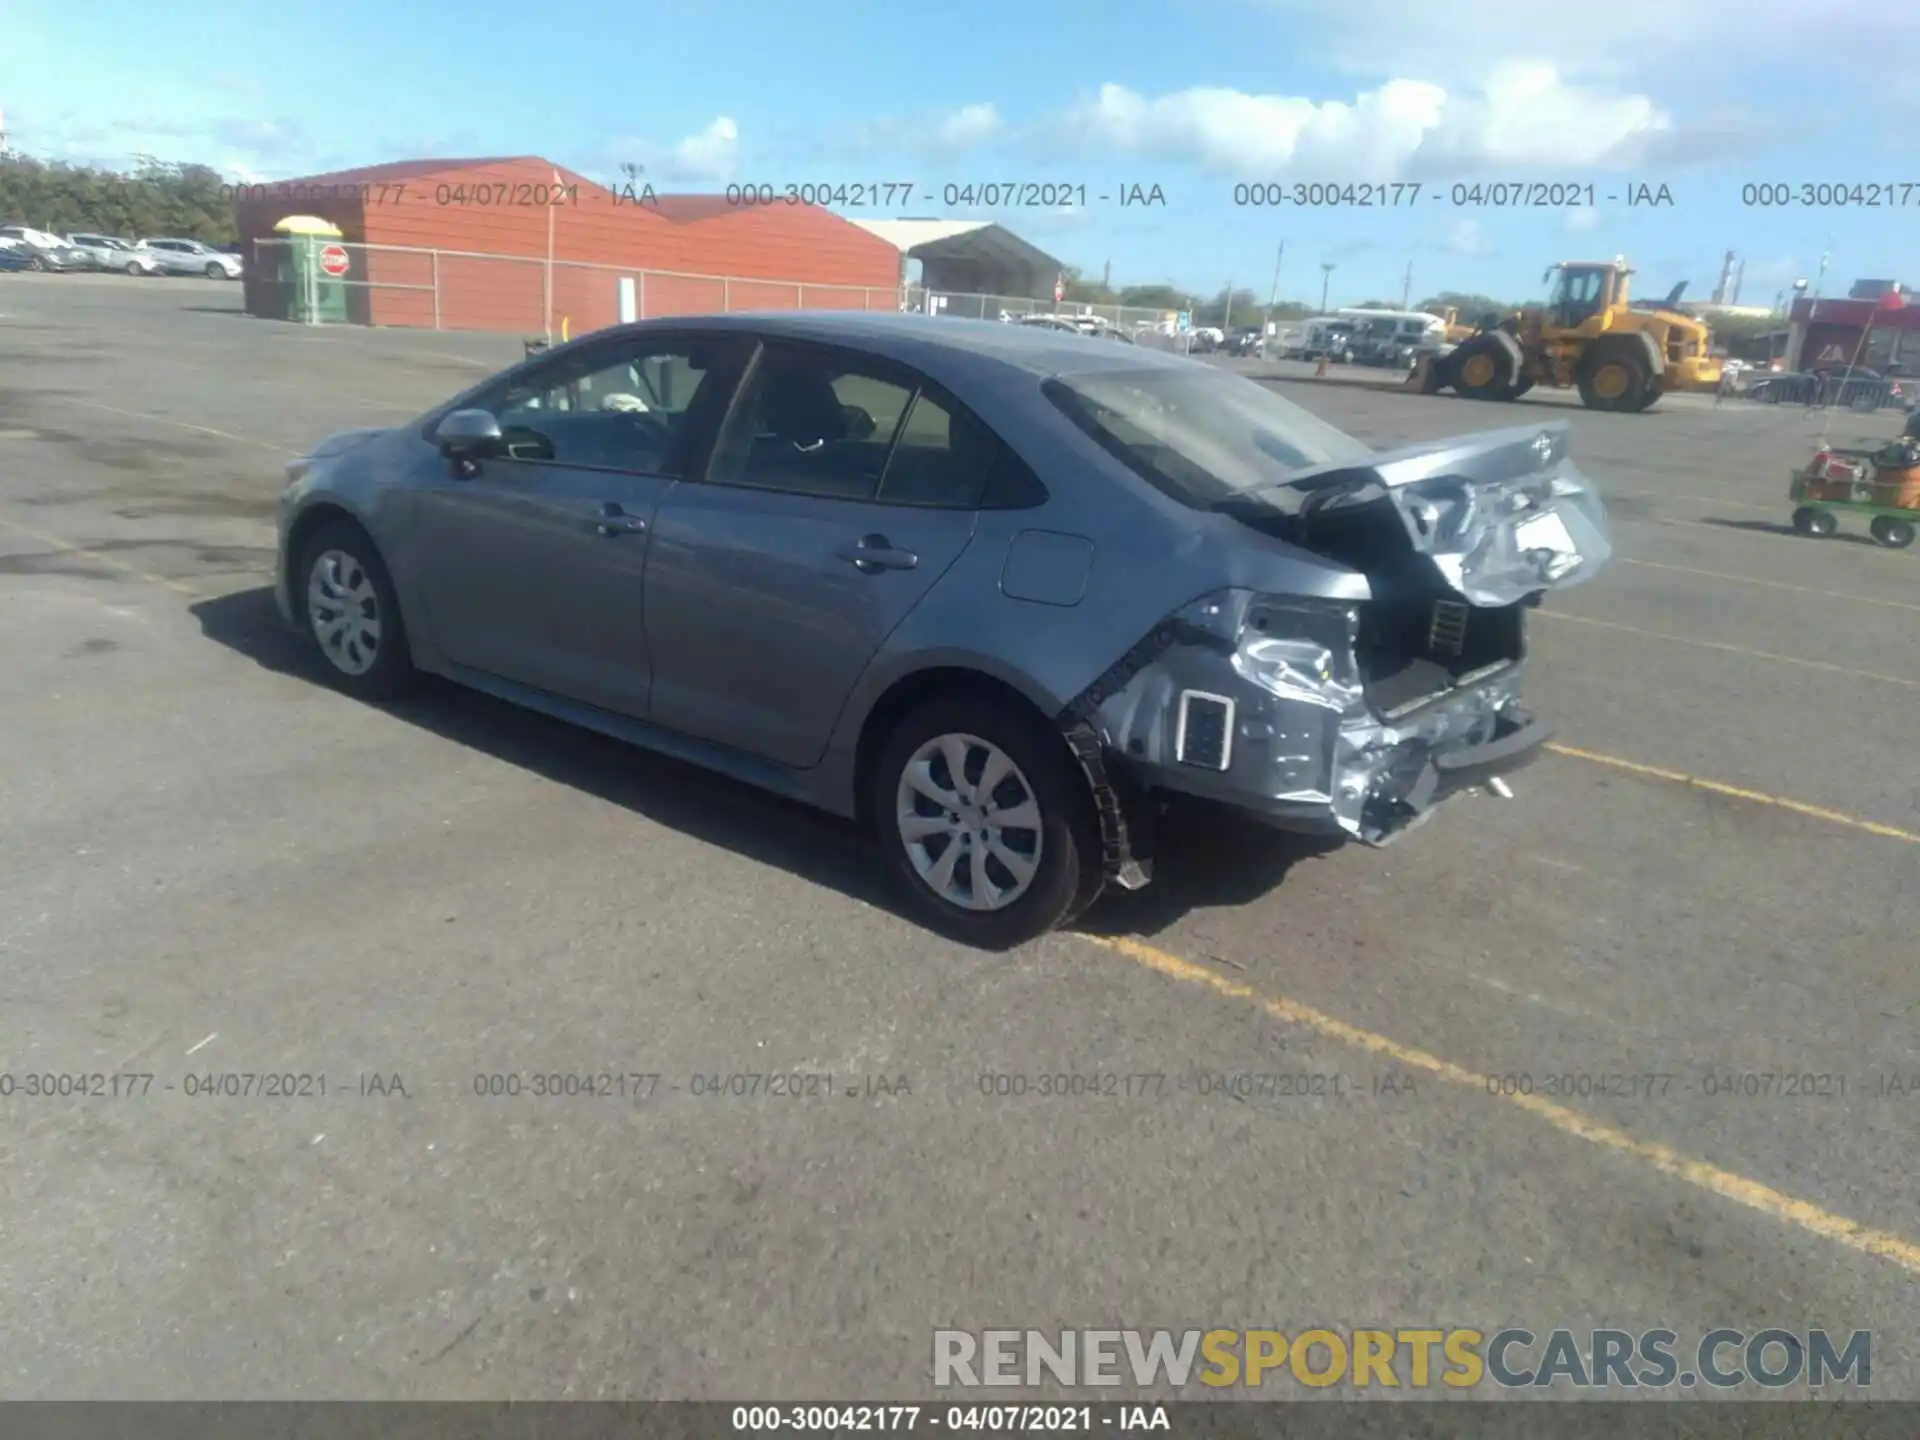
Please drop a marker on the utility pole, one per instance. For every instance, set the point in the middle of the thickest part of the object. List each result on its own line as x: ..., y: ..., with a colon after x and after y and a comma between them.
x: 1273, y: 297
x: 1824, y: 256
x: 1106, y: 276
x: 1326, y: 280
x: 1406, y: 286
x: 1226, y: 317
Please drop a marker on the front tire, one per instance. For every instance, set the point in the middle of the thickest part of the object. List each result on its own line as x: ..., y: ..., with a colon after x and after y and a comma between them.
x: 1615, y: 379
x: 1483, y: 369
x: 351, y: 613
x: 985, y: 822
x: 133, y: 268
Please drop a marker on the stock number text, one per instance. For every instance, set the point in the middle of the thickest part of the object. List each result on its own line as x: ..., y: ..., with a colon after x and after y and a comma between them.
x: 1879, y: 195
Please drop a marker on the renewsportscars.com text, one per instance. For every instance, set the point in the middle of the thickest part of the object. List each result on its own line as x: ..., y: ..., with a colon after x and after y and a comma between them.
x: 1455, y: 1358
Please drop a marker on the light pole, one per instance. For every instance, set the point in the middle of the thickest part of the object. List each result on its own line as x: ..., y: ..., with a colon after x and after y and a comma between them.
x: 1326, y: 280
x: 1273, y: 297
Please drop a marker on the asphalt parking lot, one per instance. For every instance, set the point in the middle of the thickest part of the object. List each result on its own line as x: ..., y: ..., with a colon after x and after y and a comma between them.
x: 212, y: 865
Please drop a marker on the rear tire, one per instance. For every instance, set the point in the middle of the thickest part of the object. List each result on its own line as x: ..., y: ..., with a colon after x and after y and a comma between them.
x: 1037, y: 831
x: 133, y: 268
x: 347, y: 605
x: 1892, y: 533
x: 1614, y: 378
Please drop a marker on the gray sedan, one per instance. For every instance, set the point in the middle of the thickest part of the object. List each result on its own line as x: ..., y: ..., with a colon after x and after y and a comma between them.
x: 997, y: 591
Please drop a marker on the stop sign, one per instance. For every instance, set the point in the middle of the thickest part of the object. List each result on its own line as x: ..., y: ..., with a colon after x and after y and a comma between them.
x: 334, y: 260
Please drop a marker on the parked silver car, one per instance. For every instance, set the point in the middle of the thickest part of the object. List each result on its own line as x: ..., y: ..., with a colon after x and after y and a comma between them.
x: 192, y: 257
x: 42, y: 250
x: 996, y: 590
x: 111, y: 252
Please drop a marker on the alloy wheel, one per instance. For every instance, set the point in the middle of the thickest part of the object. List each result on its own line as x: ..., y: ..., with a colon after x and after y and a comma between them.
x: 970, y: 822
x: 343, y: 609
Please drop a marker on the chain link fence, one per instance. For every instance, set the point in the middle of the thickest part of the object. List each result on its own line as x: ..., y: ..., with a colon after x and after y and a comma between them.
x: 1140, y: 324
x: 319, y: 281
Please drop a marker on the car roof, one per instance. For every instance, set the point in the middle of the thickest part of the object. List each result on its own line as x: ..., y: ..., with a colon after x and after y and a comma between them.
x: 930, y: 343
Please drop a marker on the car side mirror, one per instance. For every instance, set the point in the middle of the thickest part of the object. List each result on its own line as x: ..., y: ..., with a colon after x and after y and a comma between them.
x: 466, y: 437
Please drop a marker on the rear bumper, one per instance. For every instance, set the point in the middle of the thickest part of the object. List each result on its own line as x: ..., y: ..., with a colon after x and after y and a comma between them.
x: 1377, y: 781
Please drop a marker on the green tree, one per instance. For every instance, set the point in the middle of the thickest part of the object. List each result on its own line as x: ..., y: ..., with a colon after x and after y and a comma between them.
x: 155, y: 198
x: 1218, y: 314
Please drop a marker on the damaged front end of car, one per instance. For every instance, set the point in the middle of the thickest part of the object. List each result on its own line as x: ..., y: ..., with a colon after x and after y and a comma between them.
x: 1354, y: 717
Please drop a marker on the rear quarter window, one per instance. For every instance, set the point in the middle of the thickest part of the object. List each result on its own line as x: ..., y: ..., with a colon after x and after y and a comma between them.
x: 1199, y: 436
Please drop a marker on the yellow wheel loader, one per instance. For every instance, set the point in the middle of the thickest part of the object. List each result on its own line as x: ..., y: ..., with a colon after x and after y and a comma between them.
x: 1588, y: 335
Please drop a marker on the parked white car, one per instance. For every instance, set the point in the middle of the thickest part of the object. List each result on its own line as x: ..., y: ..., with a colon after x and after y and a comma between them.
x: 113, y: 253
x: 191, y: 257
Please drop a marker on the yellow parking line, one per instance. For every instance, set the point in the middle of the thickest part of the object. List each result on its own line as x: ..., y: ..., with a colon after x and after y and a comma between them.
x: 1727, y: 1184
x: 1745, y: 650
x: 69, y: 548
x: 1728, y: 528
x: 184, y: 425
x: 1758, y: 797
x: 1769, y: 584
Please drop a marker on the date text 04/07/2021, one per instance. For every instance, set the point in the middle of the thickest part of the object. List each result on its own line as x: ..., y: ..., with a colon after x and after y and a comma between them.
x: 906, y: 1419
x: 968, y: 194
x: 1478, y: 195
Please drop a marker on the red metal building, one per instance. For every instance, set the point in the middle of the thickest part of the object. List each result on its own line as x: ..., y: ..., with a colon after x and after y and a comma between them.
x: 464, y: 245
x: 1827, y: 332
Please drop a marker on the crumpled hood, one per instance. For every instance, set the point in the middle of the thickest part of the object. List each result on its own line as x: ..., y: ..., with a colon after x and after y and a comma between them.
x: 1501, y: 515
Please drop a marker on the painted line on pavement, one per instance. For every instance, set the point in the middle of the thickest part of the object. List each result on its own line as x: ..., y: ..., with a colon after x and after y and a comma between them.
x: 1726, y: 648
x: 1728, y: 1184
x: 1737, y: 792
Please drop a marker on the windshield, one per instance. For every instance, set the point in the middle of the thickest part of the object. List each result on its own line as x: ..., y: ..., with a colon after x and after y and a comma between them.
x: 1199, y: 436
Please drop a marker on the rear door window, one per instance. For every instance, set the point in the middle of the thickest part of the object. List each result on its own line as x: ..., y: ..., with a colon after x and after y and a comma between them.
x: 812, y: 422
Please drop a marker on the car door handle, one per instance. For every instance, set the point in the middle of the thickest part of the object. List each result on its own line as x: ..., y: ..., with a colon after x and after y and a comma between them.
x: 875, y: 553
x: 613, y: 522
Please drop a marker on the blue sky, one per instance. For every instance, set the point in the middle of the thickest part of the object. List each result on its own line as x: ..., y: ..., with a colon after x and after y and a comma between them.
x: 1701, y: 96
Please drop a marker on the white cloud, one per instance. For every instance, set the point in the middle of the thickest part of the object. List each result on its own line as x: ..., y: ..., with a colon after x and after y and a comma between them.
x: 969, y: 125
x: 935, y: 135
x: 1522, y: 116
x: 265, y: 148
x: 1639, y: 38
x: 1467, y: 238
x: 1581, y: 219
x: 709, y: 154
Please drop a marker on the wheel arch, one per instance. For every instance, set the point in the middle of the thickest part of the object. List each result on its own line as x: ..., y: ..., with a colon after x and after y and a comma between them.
x: 935, y: 682
x: 300, y: 533
x: 1636, y: 342
x: 1487, y: 339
